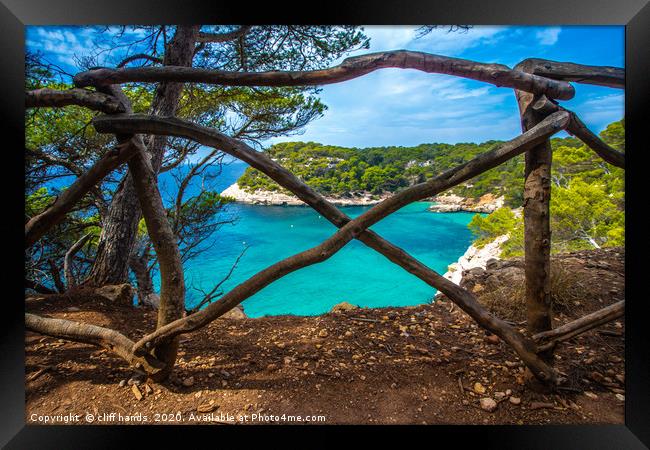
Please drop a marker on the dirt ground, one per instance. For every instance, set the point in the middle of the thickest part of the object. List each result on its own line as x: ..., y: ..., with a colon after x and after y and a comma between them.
x: 417, y: 365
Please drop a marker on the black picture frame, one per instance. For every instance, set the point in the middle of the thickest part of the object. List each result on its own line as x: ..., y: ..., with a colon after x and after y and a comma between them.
x: 634, y: 14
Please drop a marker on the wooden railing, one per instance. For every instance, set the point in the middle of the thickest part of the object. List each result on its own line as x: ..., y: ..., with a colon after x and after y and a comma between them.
x: 538, y: 84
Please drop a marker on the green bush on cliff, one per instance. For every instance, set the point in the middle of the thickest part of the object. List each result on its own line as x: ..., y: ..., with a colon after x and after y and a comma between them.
x: 587, y: 202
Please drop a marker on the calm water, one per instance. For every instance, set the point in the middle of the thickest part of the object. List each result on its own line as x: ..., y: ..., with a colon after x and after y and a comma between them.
x: 356, y: 274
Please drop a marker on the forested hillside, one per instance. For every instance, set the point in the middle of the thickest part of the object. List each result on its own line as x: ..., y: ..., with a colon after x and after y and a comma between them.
x: 342, y: 171
x: 587, y: 201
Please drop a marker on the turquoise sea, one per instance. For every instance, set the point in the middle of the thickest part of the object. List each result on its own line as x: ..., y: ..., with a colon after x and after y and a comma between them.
x: 356, y: 274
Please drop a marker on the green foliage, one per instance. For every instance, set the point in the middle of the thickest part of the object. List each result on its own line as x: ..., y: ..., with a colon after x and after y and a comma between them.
x: 342, y: 171
x: 37, y: 202
x: 587, y: 201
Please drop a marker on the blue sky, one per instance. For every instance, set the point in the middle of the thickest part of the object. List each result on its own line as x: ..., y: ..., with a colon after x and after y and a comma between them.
x: 408, y: 107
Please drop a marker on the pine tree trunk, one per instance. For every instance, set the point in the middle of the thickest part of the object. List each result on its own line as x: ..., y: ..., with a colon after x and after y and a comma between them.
x: 117, y: 237
x: 119, y: 229
x: 139, y: 265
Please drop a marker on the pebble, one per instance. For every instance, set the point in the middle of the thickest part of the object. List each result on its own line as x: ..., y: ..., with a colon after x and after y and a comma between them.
x: 122, y: 383
x: 478, y: 388
x: 620, y: 397
x: 189, y: 381
x: 515, y: 400
x: 488, y: 404
x: 136, y: 392
x: 323, y: 333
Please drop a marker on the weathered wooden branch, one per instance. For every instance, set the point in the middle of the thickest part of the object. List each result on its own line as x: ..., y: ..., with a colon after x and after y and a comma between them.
x: 38, y: 225
x: 172, y: 284
x: 70, y: 282
x: 567, y: 331
x: 496, y: 74
x: 599, y: 75
x: 348, y: 231
x: 223, y: 37
x: 41, y: 98
x: 577, y: 127
x: 111, y: 340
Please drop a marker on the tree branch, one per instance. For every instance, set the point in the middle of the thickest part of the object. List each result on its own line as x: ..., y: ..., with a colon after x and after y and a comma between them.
x: 111, y: 340
x: 223, y: 37
x: 132, y: 58
x: 548, y: 339
x: 613, y: 77
x: 353, y: 67
x: 67, y: 261
x: 43, y: 98
x: 38, y: 225
x: 580, y: 130
x: 349, y: 229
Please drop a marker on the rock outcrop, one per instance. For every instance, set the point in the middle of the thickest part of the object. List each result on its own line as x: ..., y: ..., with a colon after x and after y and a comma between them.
x: 261, y: 197
x: 343, y: 306
x: 452, y: 203
x: 474, y: 258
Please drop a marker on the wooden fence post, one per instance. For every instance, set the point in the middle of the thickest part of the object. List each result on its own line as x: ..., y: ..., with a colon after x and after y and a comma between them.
x: 537, y: 232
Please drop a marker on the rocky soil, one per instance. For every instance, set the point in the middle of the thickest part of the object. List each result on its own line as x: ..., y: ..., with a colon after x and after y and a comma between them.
x: 429, y: 364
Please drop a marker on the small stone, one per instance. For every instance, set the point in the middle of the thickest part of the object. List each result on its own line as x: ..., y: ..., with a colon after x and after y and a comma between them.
x: 508, y: 391
x: 591, y: 395
x: 271, y: 367
x: 515, y: 400
x: 280, y: 345
x: 189, y: 381
x: 492, y: 339
x: 147, y: 389
x: 323, y: 333
x: 206, y: 407
x: 122, y: 383
x: 488, y: 404
x: 499, y: 395
x: 620, y: 397
x: 478, y: 388
x: 136, y: 392
x: 348, y: 333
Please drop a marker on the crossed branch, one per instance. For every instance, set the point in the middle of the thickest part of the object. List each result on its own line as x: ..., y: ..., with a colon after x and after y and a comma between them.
x: 128, y: 126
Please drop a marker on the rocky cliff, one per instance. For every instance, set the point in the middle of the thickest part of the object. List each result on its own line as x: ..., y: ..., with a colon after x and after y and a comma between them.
x: 452, y: 203
x: 261, y: 197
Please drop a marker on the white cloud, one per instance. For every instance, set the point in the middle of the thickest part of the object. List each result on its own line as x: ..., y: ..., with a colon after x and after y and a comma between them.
x: 548, y: 36
x: 599, y: 111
